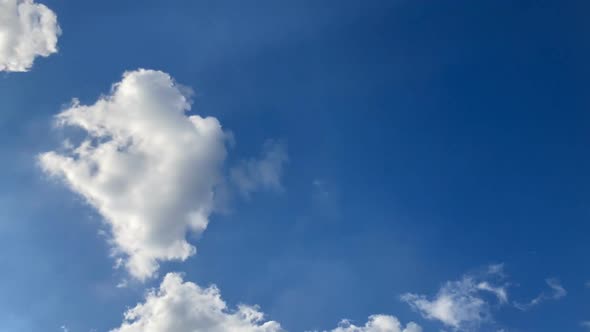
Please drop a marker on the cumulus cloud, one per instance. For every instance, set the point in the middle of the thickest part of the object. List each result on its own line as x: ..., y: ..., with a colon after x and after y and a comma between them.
x: 556, y: 293
x: 378, y: 323
x: 462, y: 304
x: 27, y: 30
x: 181, y: 306
x: 148, y: 168
x: 260, y: 173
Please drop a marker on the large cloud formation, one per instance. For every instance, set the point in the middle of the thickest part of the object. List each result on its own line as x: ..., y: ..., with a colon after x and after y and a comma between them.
x: 185, y: 307
x: 148, y: 168
x: 27, y: 30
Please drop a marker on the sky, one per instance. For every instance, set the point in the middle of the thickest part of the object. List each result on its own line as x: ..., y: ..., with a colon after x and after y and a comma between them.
x: 324, y: 166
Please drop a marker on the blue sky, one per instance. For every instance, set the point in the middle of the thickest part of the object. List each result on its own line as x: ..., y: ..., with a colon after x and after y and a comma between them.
x: 424, y: 143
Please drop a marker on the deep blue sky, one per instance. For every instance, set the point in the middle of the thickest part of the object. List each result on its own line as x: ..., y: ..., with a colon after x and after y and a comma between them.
x: 445, y: 136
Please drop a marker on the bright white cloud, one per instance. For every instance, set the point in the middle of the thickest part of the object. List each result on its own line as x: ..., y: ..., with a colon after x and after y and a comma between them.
x: 179, y: 306
x: 557, y: 292
x: 27, y: 30
x: 378, y: 323
x: 182, y: 306
x: 148, y: 168
x: 461, y: 304
x: 264, y: 172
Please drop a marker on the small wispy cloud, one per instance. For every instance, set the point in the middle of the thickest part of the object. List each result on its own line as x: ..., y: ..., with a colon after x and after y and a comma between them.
x: 260, y: 173
x: 557, y: 292
x: 123, y: 284
x: 500, y: 292
x: 461, y: 304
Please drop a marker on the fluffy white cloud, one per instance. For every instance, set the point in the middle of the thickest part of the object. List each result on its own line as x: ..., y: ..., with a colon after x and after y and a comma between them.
x: 264, y: 172
x: 179, y: 306
x: 182, y: 306
x: 378, y: 323
x: 460, y: 304
x: 557, y: 292
x: 148, y: 168
x: 27, y: 30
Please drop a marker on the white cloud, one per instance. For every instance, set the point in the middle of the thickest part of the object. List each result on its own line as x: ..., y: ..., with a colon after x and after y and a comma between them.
x: 264, y: 172
x: 378, y: 323
x: 585, y: 324
x: 461, y: 304
x: 182, y: 306
x: 27, y: 30
x: 122, y: 284
x: 179, y: 306
x: 500, y: 292
x: 149, y: 169
x: 557, y: 292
